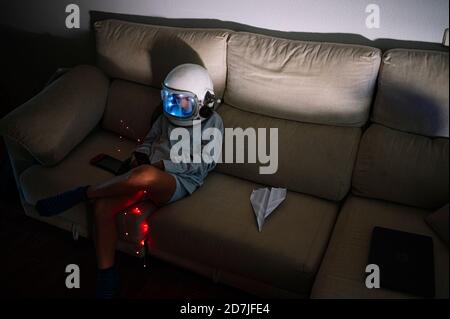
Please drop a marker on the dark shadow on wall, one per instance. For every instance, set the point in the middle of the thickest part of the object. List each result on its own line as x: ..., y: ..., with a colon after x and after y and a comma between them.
x: 347, y: 38
x: 167, y: 53
x: 29, y: 59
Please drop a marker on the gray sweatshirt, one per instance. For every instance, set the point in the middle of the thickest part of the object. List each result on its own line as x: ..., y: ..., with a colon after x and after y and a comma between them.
x: 157, y: 145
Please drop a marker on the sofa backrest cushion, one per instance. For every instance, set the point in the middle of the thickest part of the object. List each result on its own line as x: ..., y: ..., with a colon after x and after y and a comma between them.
x: 413, y: 92
x: 402, y: 167
x: 312, y: 159
x: 146, y: 53
x: 130, y: 109
x: 403, y: 157
x: 311, y: 82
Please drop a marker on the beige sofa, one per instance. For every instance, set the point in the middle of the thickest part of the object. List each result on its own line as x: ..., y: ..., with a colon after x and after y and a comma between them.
x: 346, y: 168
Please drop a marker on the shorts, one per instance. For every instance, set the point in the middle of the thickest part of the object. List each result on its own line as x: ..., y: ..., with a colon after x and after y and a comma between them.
x: 180, y: 191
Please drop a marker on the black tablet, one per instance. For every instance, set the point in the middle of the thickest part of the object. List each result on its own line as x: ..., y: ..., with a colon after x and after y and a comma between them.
x: 405, y: 261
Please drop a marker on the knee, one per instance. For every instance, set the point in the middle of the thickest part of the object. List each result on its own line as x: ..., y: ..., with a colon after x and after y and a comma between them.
x: 143, y: 175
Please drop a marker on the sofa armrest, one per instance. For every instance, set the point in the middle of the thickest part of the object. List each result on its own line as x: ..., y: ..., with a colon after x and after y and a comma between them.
x: 53, y: 122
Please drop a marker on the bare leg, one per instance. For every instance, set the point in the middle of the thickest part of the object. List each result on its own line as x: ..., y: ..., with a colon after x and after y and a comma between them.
x: 160, y: 185
x: 142, y: 179
x: 105, y: 233
x: 136, y: 180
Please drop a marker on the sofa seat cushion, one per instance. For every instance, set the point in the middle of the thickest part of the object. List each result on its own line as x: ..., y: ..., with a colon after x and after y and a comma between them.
x: 342, y: 272
x: 438, y: 221
x: 216, y: 227
x: 38, y: 182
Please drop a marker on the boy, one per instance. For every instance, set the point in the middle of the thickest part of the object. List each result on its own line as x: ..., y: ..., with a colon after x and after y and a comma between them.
x: 188, y: 98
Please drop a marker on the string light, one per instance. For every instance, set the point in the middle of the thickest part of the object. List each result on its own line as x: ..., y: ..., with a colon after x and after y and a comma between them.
x: 144, y: 227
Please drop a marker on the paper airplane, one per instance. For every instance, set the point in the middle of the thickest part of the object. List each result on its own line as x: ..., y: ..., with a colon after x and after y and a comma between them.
x: 264, y: 202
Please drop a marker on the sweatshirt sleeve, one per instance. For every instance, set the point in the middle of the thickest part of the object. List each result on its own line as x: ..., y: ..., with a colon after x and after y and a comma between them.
x: 152, y: 135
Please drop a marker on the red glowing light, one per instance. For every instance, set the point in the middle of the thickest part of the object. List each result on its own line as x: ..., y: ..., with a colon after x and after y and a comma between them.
x: 144, y: 227
x: 140, y: 193
x: 136, y: 211
x: 142, y: 242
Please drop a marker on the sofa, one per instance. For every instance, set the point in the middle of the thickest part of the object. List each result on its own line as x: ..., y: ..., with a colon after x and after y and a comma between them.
x: 362, y: 142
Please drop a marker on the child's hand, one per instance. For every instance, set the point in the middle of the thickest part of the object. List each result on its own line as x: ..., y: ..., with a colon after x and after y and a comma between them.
x: 133, y: 162
x: 159, y: 165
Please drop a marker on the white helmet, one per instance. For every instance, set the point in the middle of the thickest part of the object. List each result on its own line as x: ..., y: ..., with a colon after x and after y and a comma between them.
x: 188, y: 94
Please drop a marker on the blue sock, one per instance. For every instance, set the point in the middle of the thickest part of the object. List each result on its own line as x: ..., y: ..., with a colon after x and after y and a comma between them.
x: 107, y: 283
x: 57, y: 204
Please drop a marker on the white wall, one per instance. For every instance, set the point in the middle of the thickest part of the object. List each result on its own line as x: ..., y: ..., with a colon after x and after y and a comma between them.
x: 413, y: 20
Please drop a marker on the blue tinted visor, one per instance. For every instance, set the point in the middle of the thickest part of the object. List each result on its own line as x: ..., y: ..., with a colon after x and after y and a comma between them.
x: 178, y: 104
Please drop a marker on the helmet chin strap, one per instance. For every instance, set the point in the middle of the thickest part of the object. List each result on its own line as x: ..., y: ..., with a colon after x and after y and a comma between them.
x: 210, y: 99
x: 209, y: 103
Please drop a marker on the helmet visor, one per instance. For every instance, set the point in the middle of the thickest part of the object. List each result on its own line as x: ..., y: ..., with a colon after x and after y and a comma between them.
x: 178, y: 104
